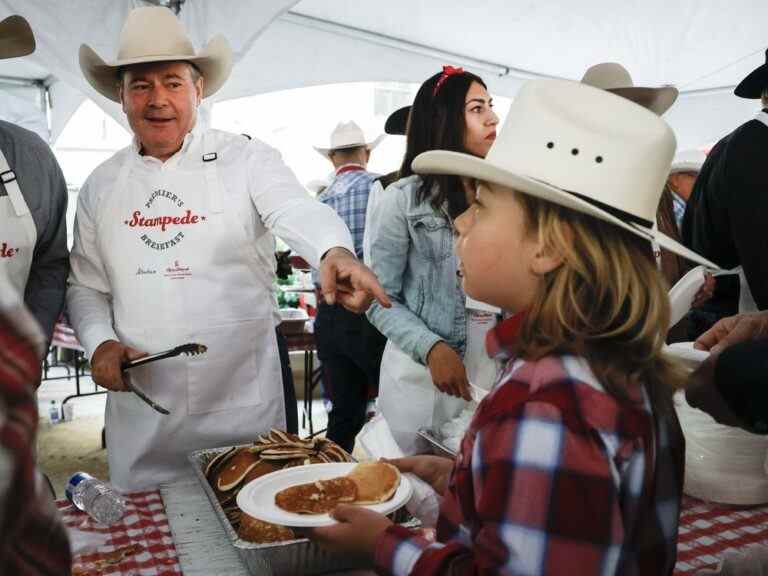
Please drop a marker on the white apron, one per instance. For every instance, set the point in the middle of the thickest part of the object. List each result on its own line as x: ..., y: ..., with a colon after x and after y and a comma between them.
x: 182, y: 269
x: 408, y: 399
x: 18, y: 234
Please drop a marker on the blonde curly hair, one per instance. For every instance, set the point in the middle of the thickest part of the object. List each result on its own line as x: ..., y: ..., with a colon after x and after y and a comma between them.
x: 607, y: 302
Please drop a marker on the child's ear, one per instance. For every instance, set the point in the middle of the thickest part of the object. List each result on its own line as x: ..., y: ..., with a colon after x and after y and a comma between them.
x: 545, y: 261
x: 547, y: 258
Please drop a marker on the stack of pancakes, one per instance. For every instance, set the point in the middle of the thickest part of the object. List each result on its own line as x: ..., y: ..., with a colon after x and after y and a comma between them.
x: 230, y: 470
x: 367, y: 483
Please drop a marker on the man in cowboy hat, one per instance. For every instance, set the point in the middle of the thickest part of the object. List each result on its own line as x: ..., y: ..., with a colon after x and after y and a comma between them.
x: 725, y: 217
x: 173, y: 244
x: 33, y: 204
x: 349, y: 347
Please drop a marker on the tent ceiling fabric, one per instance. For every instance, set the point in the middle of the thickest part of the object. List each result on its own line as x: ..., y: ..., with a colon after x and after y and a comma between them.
x: 688, y: 43
x: 280, y: 44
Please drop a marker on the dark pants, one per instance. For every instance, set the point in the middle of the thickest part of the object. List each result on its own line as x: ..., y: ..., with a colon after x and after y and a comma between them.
x: 350, y: 349
x: 289, y: 392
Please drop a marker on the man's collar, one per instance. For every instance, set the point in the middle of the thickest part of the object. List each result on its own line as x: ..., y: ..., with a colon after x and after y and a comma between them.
x: 191, y: 136
x: 351, y: 167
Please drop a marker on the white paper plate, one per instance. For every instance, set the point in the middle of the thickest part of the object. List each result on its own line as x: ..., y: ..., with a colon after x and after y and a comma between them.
x: 683, y: 293
x: 257, y: 498
x: 687, y: 354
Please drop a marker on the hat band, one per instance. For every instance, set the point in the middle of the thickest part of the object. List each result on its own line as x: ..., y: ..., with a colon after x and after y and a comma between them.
x: 613, y: 211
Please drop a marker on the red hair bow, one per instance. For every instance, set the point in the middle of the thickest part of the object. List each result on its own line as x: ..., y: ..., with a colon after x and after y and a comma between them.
x: 448, y: 71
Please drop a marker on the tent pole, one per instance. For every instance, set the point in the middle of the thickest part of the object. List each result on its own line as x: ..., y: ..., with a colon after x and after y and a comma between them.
x: 397, y: 43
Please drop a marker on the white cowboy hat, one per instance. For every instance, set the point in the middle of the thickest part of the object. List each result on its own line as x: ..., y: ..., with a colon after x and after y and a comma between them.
x: 154, y: 34
x: 615, y: 78
x: 688, y: 161
x: 347, y: 135
x: 16, y: 38
x: 579, y: 147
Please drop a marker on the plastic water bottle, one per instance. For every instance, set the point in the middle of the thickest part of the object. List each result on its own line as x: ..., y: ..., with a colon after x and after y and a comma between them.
x: 98, y: 499
x: 53, y: 413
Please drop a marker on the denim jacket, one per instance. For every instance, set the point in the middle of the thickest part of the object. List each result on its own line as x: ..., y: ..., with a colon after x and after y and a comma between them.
x: 411, y: 251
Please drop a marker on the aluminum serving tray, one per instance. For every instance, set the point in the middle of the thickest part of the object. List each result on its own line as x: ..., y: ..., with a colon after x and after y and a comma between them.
x: 295, y: 557
x: 436, y: 442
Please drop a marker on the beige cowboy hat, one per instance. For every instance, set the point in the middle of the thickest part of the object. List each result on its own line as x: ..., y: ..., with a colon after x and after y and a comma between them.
x: 579, y: 147
x: 154, y: 34
x: 688, y: 161
x: 16, y: 38
x: 347, y: 135
x: 615, y: 78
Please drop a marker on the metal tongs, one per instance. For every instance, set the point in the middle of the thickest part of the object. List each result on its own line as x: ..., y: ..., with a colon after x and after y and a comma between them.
x: 187, y: 349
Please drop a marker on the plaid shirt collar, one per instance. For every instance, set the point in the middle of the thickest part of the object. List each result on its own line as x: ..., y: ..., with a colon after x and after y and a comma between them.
x: 500, y: 341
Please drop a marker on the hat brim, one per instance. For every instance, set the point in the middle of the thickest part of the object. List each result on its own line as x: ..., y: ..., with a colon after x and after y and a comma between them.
x: 459, y: 164
x: 685, y: 167
x: 16, y: 38
x: 370, y: 145
x: 397, y: 122
x: 753, y: 85
x: 657, y: 100
x: 214, y: 62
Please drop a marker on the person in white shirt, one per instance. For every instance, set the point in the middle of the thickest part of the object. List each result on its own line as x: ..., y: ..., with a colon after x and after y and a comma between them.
x: 173, y: 244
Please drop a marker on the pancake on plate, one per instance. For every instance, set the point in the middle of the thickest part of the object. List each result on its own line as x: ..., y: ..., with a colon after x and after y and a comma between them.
x: 376, y: 482
x: 317, y: 497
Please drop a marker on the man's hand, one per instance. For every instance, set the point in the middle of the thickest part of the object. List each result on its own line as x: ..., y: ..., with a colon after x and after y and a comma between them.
x: 728, y: 331
x: 106, y: 361
x: 356, y: 533
x: 349, y: 282
x: 434, y: 470
x: 701, y: 392
x: 448, y: 372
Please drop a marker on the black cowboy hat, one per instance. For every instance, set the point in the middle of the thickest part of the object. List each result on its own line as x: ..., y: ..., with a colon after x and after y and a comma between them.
x: 397, y: 122
x: 756, y: 81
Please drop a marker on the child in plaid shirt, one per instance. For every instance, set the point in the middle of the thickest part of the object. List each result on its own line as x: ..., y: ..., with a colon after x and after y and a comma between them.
x: 573, y: 464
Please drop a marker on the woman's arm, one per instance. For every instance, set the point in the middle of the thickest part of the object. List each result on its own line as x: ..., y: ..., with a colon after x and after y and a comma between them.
x: 390, y: 243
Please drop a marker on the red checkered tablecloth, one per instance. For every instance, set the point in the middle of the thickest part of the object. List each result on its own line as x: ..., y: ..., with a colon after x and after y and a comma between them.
x: 143, y: 533
x: 708, y: 530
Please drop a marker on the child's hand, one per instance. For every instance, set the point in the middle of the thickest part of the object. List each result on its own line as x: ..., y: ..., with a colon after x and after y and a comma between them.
x: 356, y: 533
x: 448, y: 372
x: 434, y: 470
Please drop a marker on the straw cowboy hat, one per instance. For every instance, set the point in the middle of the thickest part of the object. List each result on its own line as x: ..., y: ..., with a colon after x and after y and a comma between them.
x: 579, y: 147
x: 755, y: 82
x: 347, y: 135
x: 16, y: 38
x: 154, y: 34
x: 688, y: 161
x: 615, y: 78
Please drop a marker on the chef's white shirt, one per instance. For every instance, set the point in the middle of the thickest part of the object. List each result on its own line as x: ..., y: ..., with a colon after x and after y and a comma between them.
x: 273, y: 202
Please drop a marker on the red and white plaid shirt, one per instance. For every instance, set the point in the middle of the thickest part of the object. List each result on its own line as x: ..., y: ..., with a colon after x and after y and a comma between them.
x: 554, y: 476
x: 32, y: 538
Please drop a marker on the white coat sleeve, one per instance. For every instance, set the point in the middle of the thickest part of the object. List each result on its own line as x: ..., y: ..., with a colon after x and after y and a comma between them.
x: 89, y: 302
x: 309, y: 227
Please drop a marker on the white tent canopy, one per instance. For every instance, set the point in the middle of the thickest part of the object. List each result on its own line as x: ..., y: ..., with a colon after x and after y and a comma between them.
x: 703, y: 48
